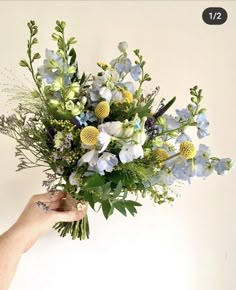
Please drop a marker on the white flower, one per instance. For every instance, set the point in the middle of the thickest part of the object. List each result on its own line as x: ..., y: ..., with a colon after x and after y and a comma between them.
x: 139, y: 137
x: 122, y: 46
x: 112, y: 128
x: 129, y: 152
x: 116, y: 96
x: 105, y: 93
x: 90, y: 157
x: 84, y: 100
x: 106, y: 162
x: 128, y: 131
x: 104, y: 140
x: 93, y: 96
x: 58, y: 140
x: 73, y: 179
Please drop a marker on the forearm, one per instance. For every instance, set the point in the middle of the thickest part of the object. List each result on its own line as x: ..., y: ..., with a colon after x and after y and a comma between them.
x: 11, y: 250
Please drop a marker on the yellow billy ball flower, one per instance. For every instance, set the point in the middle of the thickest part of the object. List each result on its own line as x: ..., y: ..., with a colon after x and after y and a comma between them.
x: 102, y: 110
x: 161, y: 154
x: 187, y: 150
x: 88, y: 135
x: 128, y: 97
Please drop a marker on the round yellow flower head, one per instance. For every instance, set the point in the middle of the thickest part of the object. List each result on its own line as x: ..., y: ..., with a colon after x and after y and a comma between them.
x: 128, y: 97
x: 88, y: 135
x: 161, y: 154
x: 187, y: 150
x: 102, y: 110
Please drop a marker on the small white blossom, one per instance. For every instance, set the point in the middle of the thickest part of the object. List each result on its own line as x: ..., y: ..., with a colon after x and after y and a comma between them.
x: 90, y: 157
x: 112, y: 128
x: 73, y: 179
x: 140, y: 137
x: 106, y: 162
x: 58, y: 140
x: 129, y: 152
x: 104, y: 140
x: 122, y: 46
x: 105, y: 93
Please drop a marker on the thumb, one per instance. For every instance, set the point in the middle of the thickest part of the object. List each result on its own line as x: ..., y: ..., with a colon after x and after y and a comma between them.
x: 68, y: 216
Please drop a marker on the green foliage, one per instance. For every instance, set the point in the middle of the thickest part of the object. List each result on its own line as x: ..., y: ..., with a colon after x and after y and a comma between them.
x: 144, y: 76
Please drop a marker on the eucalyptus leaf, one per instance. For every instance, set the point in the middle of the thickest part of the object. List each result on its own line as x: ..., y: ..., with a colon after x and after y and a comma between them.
x: 106, y: 207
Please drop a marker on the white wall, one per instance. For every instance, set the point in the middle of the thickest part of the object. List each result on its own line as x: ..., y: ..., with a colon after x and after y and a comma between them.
x: 187, y: 246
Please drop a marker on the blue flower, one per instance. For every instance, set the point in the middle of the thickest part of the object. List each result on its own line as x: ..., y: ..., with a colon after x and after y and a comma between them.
x: 84, y: 118
x: 46, y: 71
x: 128, y: 86
x: 182, y: 169
x: 135, y: 72
x: 223, y: 165
x: 183, y: 137
x: 164, y: 177
x: 49, y: 72
x: 202, y: 125
x: 204, y: 166
x: 184, y: 114
x: 123, y: 65
x: 171, y: 122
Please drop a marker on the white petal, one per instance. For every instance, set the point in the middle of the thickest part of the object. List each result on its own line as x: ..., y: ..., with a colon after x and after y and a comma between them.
x: 104, y: 140
x: 90, y: 157
x: 105, y: 93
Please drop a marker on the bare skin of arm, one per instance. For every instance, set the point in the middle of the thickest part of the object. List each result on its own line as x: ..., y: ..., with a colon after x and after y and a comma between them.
x: 30, y: 226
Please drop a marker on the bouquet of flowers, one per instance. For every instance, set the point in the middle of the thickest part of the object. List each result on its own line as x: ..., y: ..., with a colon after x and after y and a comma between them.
x: 100, y: 136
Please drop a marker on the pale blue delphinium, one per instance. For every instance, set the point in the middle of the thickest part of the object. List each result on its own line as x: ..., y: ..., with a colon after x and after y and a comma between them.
x: 182, y: 137
x: 182, y: 169
x: 202, y: 125
x: 171, y: 122
x: 123, y: 65
x: 204, y: 166
x: 223, y: 165
x: 116, y: 96
x: 106, y: 162
x: 135, y: 72
x: 184, y: 114
x: 84, y: 118
x: 45, y: 70
x: 165, y: 177
x: 128, y: 86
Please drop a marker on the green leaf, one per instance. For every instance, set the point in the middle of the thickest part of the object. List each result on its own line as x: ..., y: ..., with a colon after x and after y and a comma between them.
x: 95, y: 180
x: 117, y: 190
x: 83, y: 77
x: 133, y: 203
x: 120, y: 207
x: 24, y: 63
x: 131, y: 209
x: 72, y: 54
x: 125, y: 194
x: 89, y: 197
x: 106, y: 207
x: 106, y: 189
x: 165, y: 108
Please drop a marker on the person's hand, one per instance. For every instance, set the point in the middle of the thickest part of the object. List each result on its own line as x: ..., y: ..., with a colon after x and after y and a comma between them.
x: 35, y: 221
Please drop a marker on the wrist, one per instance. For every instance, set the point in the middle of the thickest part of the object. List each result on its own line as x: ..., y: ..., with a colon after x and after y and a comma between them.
x: 16, y: 237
